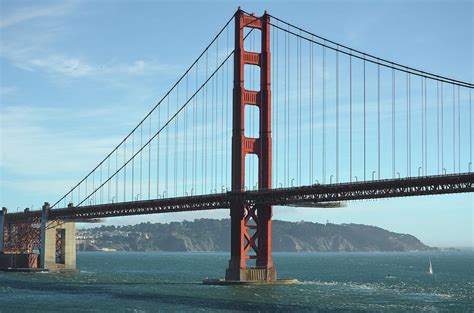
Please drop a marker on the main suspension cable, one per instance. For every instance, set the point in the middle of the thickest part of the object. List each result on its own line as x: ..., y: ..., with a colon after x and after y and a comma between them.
x: 149, y: 113
x: 160, y: 130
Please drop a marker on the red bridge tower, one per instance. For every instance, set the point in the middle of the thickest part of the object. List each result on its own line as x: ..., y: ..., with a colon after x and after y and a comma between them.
x: 251, y: 226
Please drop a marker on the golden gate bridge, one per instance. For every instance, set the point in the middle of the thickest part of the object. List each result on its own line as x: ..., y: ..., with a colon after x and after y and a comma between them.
x: 268, y: 114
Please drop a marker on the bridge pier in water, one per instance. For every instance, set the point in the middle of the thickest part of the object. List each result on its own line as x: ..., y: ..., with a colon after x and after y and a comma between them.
x: 58, y: 243
x: 37, y: 243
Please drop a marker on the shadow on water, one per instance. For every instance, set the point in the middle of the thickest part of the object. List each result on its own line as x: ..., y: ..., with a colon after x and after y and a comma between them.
x: 158, y: 298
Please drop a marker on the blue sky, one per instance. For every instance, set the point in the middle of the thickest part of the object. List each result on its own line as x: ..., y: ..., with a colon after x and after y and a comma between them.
x: 76, y: 76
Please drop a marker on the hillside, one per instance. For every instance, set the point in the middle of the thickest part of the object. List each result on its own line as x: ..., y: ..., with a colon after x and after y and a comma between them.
x: 214, y: 235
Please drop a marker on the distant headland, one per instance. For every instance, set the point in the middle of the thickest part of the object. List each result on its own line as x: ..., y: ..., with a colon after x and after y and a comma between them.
x: 213, y: 235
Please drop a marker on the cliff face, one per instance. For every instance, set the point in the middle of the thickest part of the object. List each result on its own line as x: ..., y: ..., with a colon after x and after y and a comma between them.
x: 214, y: 235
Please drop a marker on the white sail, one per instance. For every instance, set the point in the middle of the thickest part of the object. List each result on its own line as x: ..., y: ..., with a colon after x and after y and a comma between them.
x: 430, y: 270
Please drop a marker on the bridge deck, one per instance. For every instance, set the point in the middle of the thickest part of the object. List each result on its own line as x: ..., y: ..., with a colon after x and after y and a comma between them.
x: 414, y: 186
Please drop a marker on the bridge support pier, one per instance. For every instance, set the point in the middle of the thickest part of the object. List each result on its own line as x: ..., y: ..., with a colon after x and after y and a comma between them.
x: 58, y: 244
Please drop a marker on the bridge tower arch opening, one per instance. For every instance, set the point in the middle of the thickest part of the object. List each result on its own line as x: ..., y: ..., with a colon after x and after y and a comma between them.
x: 251, y: 226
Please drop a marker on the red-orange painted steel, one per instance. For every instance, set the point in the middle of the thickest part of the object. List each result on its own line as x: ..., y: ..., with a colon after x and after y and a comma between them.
x: 251, y: 226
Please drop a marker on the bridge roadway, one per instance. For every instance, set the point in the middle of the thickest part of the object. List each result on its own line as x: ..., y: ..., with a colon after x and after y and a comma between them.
x: 304, y: 196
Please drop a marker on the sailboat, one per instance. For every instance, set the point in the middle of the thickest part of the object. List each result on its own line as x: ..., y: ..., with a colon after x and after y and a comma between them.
x: 430, y: 269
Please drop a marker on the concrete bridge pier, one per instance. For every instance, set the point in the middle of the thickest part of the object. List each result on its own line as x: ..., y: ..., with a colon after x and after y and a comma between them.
x: 58, y: 243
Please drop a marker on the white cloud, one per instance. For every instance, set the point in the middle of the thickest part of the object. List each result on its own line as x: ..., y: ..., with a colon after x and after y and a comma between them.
x: 32, y: 148
x: 58, y: 64
x: 7, y: 90
x: 25, y: 14
x: 32, y: 48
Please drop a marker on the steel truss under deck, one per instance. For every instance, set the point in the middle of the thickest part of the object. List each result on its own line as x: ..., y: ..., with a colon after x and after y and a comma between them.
x: 415, y: 186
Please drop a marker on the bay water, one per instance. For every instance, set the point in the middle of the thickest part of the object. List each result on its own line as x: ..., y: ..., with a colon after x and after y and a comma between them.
x: 172, y: 282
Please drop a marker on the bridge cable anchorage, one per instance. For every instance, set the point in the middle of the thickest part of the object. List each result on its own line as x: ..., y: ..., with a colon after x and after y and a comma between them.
x: 149, y: 113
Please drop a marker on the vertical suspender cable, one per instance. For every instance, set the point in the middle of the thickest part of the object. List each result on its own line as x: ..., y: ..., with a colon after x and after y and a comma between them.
x: 337, y: 115
x: 277, y: 97
x: 409, y: 124
x: 378, y: 121
x: 324, y: 115
x: 459, y: 130
x: 213, y: 127
x: 133, y: 162
x: 214, y: 112
x: 176, y: 126
x: 365, y: 131
x: 393, y: 126
x: 350, y: 118
x: 454, y: 133
x: 101, y: 189
x: 299, y: 112
x: 426, y: 131
x: 422, y: 127
x: 149, y: 161
x: 287, y: 126
x: 228, y: 133
x: 185, y: 144
x: 223, y: 132
x: 217, y: 108
x: 167, y: 146
x: 437, y: 123
x: 205, y: 139
x: 124, y: 172
x: 93, y: 184
x: 311, y: 144
x: 116, y: 177
x: 195, y: 132
x: 141, y: 160
x: 470, y: 131
x: 108, y: 183
x: 442, y: 129
x: 158, y: 181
